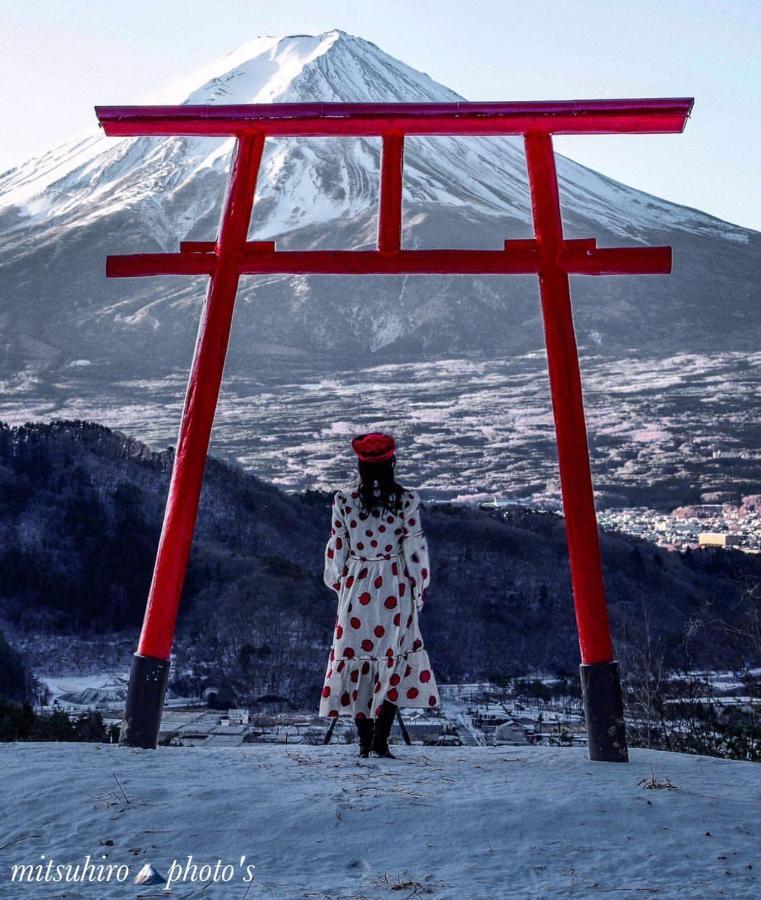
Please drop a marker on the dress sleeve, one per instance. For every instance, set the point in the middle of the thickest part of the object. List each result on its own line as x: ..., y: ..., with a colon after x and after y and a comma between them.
x: 415, y: 549
x: 337, y: 548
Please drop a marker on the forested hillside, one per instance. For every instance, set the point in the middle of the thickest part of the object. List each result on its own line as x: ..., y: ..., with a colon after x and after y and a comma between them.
x: 14, y: 676
x: 80, y: 513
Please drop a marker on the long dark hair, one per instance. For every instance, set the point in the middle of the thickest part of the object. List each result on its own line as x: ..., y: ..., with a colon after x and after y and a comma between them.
x: 378, y: 489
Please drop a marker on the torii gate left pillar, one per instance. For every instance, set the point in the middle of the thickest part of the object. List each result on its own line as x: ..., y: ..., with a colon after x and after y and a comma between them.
x: 548, y: 255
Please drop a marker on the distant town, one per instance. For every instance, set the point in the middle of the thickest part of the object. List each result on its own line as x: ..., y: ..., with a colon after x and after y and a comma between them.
x: 736, y: 527
x: 542, y: 710
x: 529, y: 711
x: 691, y: 527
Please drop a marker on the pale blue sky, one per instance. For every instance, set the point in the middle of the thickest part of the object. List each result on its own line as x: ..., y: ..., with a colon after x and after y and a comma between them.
x: 58, y: 58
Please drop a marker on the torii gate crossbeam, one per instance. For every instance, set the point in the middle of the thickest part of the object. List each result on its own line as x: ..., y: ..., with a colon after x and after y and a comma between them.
x: 549, y: 256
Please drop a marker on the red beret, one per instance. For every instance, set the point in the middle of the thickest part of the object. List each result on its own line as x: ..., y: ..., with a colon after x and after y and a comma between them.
x: 373, y: 447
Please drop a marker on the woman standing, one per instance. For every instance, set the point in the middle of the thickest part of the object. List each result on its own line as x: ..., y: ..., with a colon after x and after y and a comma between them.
x: 377, y: 562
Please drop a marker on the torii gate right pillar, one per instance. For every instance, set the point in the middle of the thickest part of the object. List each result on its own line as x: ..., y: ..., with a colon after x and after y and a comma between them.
x: 600, y: 681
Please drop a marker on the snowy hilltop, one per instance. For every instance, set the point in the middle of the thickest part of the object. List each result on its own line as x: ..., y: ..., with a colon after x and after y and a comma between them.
x: 286, y: 823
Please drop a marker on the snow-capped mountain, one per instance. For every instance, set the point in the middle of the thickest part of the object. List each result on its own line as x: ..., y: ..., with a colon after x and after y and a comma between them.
x: 62, y: 213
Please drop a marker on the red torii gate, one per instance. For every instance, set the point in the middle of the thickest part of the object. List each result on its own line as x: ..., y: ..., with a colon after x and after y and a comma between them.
x: 549, y: 255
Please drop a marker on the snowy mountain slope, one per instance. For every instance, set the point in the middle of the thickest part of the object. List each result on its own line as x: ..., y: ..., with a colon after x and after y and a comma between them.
x: 61, y: 214
x: 442, y: 822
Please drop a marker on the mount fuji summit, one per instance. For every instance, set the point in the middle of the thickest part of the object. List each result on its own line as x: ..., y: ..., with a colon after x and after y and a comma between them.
x: 62, y: 213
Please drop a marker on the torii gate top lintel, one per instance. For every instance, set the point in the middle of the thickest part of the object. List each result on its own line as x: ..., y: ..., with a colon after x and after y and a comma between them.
x: 644, y: 116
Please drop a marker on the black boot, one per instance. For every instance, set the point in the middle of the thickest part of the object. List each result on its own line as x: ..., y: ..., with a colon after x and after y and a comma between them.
x: 365, y: 730
x: 383, y: 723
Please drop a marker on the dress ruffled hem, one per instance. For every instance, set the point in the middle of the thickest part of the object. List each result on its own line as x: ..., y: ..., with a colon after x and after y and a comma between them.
x: 358, y: 686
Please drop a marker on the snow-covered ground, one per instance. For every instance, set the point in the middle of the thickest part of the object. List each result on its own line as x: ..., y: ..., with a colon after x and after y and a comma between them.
x: 440, y: 822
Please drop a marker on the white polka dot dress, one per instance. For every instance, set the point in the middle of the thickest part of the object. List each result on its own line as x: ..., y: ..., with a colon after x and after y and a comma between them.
x: 378, y: 565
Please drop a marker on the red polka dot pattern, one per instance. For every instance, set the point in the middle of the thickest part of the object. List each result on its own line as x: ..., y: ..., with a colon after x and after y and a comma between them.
x: 379, y: 595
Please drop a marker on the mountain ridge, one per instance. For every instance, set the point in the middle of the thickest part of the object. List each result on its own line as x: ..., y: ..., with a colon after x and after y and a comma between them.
x: 82, y: 508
